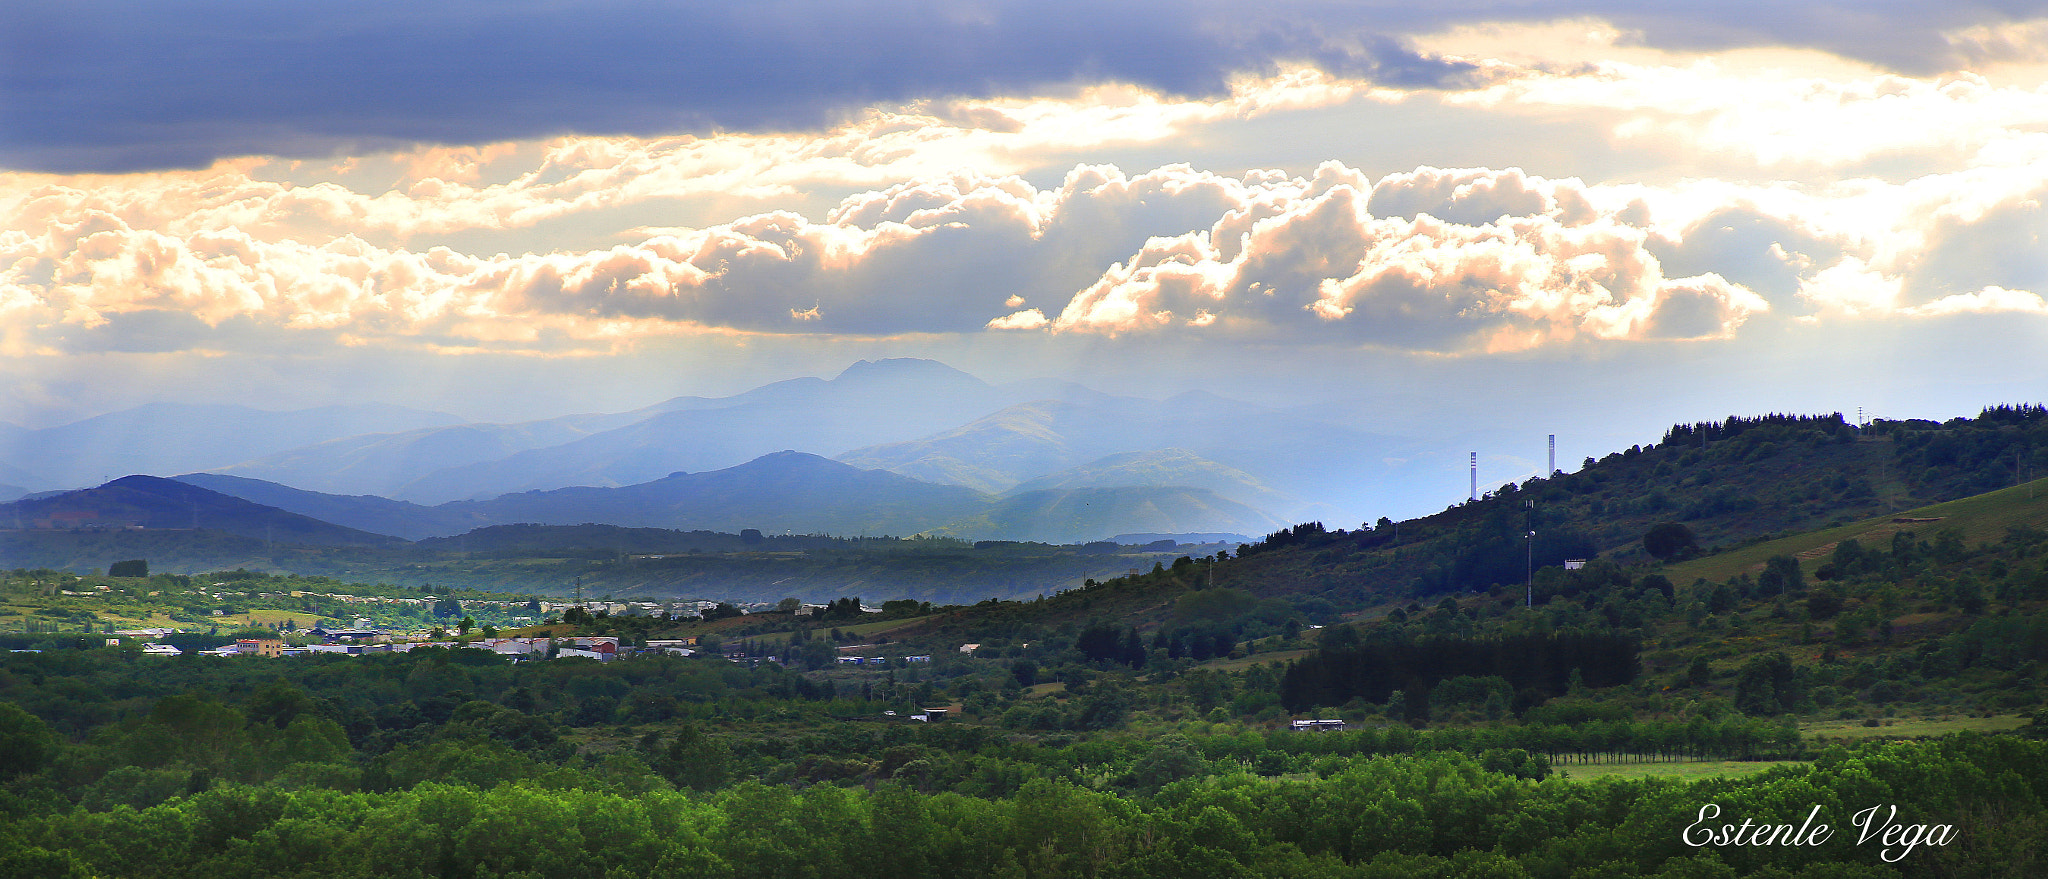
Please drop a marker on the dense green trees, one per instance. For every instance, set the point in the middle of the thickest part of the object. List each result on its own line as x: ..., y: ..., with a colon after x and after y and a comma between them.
x: 1440, y: 815
x: 1669, y: 540
x: 1541, y: 664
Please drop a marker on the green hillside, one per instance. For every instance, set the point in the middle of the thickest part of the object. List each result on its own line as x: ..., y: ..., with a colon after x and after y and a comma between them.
x: 1977, y: 519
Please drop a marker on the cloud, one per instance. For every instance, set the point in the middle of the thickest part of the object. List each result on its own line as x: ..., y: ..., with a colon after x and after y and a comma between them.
x: 1528, y: 262
x: 122, y: 85
x: 1774, y: 112
x: 1749, y: 244
x: 1980, y: 238
x: 1440, y: 260
x: 936, y: 255
x: 1987, y: 300
x: 439, y: 191
x: 116, y: 85
x: 2023, y: 42
x: 1906, y: 37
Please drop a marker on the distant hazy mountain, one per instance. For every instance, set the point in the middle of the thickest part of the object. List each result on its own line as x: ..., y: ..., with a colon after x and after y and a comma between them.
x: 383, y: 464
x: 362, y: 512
x: 1284, y: 454
x: 1083, y: 514
x: 992, y: 454
x: 1165, y: 467
x: 787, y: 491
x: 167, y: 438
x: 914, y: 418
x: 868, y: 403
x: 790, y: 491
x: 155, y: 503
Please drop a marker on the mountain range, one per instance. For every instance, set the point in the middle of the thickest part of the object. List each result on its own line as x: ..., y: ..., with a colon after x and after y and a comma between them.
x: 968, y: 458
x: 782, y: 492
x: 167, y: 438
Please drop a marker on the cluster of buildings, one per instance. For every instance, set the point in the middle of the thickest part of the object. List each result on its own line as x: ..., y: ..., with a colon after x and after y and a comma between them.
x: 357, y: 642
x: 877, y: 660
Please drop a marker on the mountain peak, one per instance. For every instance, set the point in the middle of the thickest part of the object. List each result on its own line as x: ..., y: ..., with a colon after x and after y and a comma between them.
x: 902, y: 367
x: 791, y: 458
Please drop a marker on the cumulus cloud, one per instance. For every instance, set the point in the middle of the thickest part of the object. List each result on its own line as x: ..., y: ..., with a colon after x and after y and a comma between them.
x: 1442, y: 260
x: 1526, y: 262
x: 1989, y: 299
x: 1765, y: 250
x: 1990, y: 232
x: 936, y: 255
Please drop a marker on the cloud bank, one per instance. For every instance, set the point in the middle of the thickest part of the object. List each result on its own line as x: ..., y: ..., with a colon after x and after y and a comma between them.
x: 117, y: 85
x: 1432, y: 260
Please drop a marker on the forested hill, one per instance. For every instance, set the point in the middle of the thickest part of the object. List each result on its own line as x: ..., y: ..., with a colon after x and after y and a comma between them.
x: 1726, y: 483
x: 1710, y: 486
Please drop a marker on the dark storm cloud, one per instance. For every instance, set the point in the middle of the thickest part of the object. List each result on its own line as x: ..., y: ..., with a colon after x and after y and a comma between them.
x: 114, y: 85
x: 125, y: 84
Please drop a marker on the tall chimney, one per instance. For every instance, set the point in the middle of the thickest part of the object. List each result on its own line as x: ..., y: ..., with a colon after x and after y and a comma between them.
x: 1553, y: 457
x: 1475, y: 476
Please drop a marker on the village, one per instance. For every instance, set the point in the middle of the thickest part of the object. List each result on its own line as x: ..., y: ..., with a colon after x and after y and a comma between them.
x: 359, y: 641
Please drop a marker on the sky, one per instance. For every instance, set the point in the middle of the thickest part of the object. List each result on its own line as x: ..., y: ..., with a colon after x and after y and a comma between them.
x: 1475, y: 219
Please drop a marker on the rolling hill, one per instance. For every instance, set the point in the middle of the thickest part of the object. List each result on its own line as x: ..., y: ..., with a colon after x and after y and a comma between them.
x: 150, y: 503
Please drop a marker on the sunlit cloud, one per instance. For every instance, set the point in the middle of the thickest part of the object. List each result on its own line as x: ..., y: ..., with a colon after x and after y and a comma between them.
x: 439, y: 190
x: 1761, y: 114
x: 1987, y: 300
x: 1437, y: 260
x: 1527, y: 262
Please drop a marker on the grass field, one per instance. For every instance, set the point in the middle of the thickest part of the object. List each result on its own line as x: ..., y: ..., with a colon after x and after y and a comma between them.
x: 883, y: 627
x: 1277, y: 656
x: 1911, y: 727
x: 1688, y: 771
x: 1979, y: 519
x: 276, y: 617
